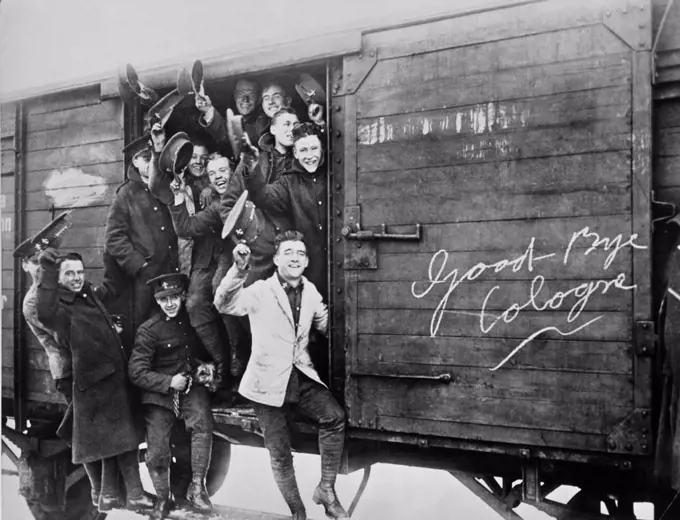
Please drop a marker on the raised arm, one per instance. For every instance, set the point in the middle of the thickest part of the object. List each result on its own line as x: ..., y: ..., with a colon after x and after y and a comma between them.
x: 230, y: 296
x: 204, y: 223
x: 48, y: 309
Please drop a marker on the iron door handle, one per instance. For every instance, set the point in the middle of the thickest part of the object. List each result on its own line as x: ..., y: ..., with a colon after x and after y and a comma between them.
x: 383, y: 235
x: 441, y: 378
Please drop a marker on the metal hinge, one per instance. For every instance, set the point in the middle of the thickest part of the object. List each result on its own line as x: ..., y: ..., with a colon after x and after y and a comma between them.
x: 645, y: 338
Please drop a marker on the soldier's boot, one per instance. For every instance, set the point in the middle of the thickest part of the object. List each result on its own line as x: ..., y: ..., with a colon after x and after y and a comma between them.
x: 284, y: 475
x: 211, y: 337
x: 197, y: 494
x: 94, y: 474
x: 109, y: 497
x: 136, y: 498
x: 324, y: 494
x: 160, y: 478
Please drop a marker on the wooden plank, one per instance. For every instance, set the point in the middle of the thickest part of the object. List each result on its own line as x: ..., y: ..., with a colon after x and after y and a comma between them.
x: 102, y: 131
x: 549, y: 234
x: 596, y: 136
x: 516, y: 386
x: 459, y: 89
x: 666, y: 172
x: 431, y: 401
x: 7, y: 158
x: 641, y: 195
x: 7, y: 120
x: 105, y: 173
x: 671, y: 194
x: 72, y: 197
x: 81, y: 218
x: 563, y: 355
x: 539, y: 175
x: 668, y: 143
x: 667, y: 114
x: 7, y: 299
x: 537, y: 49
x: 498, y: 24
x: 111, y: 151
x: 533, y: 436
x: 610, y: 326
x: 668, y: 38
x: 110, y: 110
x: 64, y: 100
x: 417, y: 266
x: 571, y: 109
x: 470, y: 295
x: 493, y: 205
x: 7, y: 379
x: 8, y: 278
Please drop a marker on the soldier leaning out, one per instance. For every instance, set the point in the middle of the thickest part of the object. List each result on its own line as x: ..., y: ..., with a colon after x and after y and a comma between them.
x: 101, y: 423
x: 166, y: 352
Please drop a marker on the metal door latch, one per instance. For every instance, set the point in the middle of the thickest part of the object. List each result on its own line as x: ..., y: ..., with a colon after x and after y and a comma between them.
x: 383, y: 235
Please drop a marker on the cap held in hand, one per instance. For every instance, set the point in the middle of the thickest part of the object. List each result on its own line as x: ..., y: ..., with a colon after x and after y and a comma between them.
x: 46, y: 237
x: 130, y: 88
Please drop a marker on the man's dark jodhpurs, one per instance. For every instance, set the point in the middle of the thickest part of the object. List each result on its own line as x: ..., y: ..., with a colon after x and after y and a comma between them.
x: 196, y: 414
x: 315, y: 402
x: 203, y: 316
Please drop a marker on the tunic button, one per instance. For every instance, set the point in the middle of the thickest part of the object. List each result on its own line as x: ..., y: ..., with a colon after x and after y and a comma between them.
x: 319, y: 203
x: 162, y: 228
x: 320, y: 227
x: 155, y: 208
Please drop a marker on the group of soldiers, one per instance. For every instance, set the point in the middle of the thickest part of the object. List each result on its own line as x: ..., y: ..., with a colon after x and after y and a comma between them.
x: 212, y: 246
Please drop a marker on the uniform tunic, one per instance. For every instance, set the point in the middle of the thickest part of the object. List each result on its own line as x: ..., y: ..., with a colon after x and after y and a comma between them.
x: 139, y: 231
x: 105, y: 420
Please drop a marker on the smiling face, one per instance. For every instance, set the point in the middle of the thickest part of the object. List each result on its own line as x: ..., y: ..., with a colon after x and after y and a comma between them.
x: 141, y: 161
x: 219, y: 171
x: 274, y: 98
x: 170, y: 305
x: 198, y: 160
x: 282, y: 128
x: 291, y: 259
x: 72, y: 275
x: 245, y: 96
x: 307, y: 150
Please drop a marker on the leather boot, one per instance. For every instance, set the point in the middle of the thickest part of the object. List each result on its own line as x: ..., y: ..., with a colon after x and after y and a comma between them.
x: 141, y: 503
x: 198, y: 497
x: 289, y: 490
x: 162, y: 508
x: 160, y: 477
x: 211, y: 337
x: 326, y: 496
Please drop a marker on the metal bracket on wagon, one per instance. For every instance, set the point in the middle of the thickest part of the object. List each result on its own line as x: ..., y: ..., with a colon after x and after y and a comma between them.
x: 363, y: 252
x: 355, y: 69
x: 632, y: 436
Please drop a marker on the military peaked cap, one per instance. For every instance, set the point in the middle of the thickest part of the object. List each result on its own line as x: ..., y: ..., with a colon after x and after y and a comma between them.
x: 46, y: 237
x: 169, y: 284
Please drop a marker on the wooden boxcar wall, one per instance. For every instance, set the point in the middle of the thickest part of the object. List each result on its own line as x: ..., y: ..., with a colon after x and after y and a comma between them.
x: 492, y: 130
x: 72, y: 158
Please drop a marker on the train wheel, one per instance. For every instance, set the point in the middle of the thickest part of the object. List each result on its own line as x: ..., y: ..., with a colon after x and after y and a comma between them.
x: 78, y: 505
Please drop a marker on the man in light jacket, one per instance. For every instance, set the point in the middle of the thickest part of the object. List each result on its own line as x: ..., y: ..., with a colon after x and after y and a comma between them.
x: 280, y: 378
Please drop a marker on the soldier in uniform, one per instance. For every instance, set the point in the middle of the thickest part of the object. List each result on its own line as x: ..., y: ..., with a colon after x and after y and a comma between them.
x: 103, y: 425
x: 165, y: 353
x: 139, y: 232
